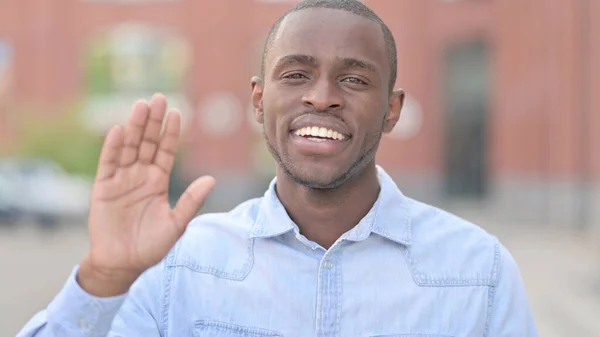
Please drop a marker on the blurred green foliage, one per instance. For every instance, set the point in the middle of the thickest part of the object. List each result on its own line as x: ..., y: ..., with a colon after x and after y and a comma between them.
x: 134, y: 59
x: 97, y: 68
x: 60, y: 137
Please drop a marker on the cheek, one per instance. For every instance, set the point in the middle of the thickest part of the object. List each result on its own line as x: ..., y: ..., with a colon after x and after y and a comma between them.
x: 271, y: 122
x: 268, y: 125
x: 274, y: 117
x: 373, y: 119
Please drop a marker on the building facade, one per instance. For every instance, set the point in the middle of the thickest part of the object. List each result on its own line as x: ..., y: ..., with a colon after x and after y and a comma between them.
x: 503, y: 103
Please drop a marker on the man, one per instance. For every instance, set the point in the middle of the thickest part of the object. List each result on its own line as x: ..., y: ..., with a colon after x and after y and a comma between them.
x: 332, y: 249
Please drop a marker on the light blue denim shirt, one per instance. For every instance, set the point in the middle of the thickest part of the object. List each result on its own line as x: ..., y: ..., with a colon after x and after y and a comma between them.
x: 407, y: 269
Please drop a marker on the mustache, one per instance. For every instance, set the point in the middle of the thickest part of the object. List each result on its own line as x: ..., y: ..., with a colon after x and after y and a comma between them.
x: 320, y: 113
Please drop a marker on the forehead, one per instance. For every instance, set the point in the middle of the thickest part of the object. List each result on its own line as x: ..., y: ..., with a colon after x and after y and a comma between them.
x: 328, y: 34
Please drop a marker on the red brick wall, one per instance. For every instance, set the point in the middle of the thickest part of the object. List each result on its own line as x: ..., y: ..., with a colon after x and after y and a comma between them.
x: 537, y: 69
x: 594, y: 91
x: 539, y: 93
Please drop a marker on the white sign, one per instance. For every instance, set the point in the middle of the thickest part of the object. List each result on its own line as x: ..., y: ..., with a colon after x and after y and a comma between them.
x: 220, y: 115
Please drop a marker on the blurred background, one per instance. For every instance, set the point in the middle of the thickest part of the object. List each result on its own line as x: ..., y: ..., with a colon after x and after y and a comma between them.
x: 501, y: 126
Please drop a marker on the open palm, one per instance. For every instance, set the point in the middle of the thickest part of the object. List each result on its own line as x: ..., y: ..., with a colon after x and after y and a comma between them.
x: 132, y: 226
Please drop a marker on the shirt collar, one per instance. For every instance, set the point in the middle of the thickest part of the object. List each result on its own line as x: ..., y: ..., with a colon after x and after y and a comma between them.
x: 392, y: 212
x: 389, y: 217
x: 272, y: 219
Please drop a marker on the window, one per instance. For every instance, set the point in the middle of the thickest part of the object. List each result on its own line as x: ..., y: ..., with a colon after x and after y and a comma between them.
x: 130, y: 62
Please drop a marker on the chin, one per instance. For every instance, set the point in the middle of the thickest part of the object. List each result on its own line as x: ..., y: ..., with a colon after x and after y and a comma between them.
x: 317, y: 177
x: 319, y: 184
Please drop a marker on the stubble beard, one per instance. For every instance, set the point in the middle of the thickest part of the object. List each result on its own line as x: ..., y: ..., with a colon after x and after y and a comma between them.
x: 358, y: 167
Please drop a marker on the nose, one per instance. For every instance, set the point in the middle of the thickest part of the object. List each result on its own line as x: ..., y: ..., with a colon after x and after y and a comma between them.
x: 323, y: 95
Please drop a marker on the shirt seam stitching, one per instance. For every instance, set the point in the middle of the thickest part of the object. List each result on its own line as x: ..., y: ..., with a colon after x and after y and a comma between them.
x: 495, y: 275
x: 167, y: 292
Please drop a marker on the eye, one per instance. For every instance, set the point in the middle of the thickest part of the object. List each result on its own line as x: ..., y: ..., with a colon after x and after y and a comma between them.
x: 295, y: 76
x: 354, y: 80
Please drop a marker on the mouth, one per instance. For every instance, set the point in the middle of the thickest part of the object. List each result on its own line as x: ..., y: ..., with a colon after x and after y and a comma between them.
x: 320, y: 134
x: 316, y: 140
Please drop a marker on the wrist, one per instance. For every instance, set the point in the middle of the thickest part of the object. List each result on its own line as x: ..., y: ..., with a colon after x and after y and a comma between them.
x: 103, y: 282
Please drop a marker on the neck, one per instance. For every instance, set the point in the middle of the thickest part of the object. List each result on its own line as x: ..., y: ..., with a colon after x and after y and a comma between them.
x: 323, y: 215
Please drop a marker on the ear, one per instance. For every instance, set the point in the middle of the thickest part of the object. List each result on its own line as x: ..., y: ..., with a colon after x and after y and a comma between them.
x: 257, y: 95
x: 396, y: 103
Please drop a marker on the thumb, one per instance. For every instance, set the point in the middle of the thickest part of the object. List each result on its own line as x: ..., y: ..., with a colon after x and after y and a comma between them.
x: 192, y: 199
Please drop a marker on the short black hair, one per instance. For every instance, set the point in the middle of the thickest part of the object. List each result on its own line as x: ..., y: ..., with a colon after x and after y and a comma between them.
x: 352, y: 6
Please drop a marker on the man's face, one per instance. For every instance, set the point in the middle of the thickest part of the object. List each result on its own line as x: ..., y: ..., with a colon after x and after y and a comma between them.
x: 325, y: 100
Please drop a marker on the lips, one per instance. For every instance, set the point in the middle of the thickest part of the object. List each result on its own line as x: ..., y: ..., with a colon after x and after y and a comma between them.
x: 319, y: 141
x: 320, y: 125
x: 319, y: 135
x: 320, y: 132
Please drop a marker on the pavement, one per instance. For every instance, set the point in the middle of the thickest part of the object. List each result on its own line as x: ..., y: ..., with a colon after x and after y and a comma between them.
x: 561, y: 272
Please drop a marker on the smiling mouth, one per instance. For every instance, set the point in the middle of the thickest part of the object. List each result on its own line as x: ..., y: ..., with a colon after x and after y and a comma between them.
x: 320, y: 134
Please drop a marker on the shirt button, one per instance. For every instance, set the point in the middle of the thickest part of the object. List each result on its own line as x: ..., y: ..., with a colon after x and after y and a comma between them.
x: 83, y: 324
x: 328, y: 264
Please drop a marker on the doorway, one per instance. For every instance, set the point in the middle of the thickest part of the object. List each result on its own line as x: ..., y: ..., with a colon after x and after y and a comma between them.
x: 466, y: 95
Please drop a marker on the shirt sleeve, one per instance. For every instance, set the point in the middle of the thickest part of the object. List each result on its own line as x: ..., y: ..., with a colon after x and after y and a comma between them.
x: 511, y: 313
x: 75, y: 313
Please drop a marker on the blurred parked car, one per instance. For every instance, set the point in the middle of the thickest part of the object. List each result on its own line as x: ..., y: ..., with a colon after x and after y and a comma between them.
x: 42, y: 190
x: 9, y: 212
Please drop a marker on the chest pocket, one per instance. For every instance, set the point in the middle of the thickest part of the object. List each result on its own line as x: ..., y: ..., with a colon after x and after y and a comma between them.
x: 206, y: 328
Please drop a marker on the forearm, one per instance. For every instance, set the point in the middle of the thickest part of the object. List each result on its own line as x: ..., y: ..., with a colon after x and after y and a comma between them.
x: 74, y: 312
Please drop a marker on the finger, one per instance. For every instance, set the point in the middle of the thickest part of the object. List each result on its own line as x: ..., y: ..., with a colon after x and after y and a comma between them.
x: 109, y: 155
x: 150, y: 139
x: 134, y: 131
x: 191, y: 200
x: 165, y: 157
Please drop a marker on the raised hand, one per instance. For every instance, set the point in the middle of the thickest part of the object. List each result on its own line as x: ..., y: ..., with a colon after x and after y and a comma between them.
x: 131, y: 224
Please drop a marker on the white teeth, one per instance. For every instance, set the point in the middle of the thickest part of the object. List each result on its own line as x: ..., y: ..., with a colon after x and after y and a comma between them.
x: 317, y: 139
x: 321, y: 132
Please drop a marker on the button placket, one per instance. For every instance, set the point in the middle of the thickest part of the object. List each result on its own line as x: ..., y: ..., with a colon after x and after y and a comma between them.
x: 329, y: 293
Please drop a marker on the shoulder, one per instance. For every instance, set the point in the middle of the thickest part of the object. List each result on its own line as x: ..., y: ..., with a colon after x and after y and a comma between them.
x: 448, y: 249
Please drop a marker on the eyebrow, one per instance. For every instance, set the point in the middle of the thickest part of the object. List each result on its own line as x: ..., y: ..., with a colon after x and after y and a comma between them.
x: 308, y: 60
x: 355, y: 63
x: 297, y: 59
